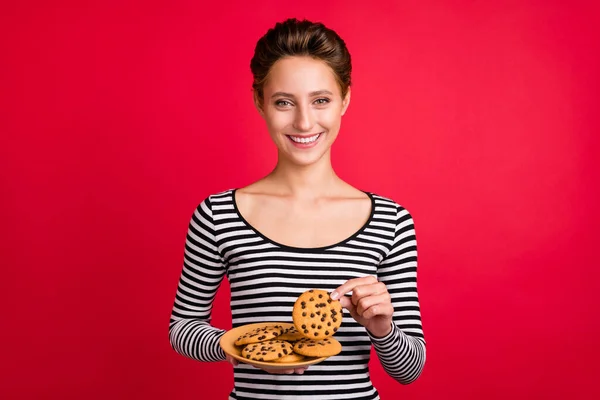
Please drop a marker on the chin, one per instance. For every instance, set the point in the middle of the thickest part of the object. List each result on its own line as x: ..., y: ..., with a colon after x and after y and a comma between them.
x: 306, y: 159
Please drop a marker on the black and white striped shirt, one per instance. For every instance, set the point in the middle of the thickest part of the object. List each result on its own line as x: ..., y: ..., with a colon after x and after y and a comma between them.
x: 266, y: 278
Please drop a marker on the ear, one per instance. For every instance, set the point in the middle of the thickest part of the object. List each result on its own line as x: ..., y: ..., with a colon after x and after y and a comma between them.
x: 258, y: 103
x: 346, y: 101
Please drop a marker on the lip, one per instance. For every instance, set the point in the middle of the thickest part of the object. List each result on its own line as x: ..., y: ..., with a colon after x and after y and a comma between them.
x: 306, y: 136
x: 305, y: 145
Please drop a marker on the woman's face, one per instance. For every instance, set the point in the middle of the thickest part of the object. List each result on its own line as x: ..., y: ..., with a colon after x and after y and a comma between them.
x: 303, y: 108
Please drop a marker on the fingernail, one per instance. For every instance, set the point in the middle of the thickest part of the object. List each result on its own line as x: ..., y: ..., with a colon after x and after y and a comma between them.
x: 334, y: 295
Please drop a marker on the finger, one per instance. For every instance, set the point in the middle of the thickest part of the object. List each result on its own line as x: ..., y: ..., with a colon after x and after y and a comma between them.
x: 364, y: 291
x: 231, y: 360
x: 384, y: 310
x: 275, y: 371
x: 286, y: 371
x: 364, y: 303
x: 350, y: 284
x: 279, y: 371
x: 346, y: 303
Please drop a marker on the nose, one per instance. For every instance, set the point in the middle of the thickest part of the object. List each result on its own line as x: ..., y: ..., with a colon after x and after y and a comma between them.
x: 304, y: 119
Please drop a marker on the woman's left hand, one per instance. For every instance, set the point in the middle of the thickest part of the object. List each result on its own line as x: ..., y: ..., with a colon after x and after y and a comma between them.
x: 370, y: 304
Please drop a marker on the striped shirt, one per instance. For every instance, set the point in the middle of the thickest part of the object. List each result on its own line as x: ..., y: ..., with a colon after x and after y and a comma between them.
x: 266, y: 278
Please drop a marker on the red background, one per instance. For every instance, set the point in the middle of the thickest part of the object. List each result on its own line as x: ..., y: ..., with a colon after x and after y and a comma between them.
x: 116, y: 120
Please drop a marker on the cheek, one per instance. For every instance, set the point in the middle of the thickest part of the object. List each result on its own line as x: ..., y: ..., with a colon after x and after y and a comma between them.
x: 331, y: 119
x: 278, y: 121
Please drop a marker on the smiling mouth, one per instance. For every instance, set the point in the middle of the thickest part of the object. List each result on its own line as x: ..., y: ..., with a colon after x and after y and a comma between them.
x: 305, y: 139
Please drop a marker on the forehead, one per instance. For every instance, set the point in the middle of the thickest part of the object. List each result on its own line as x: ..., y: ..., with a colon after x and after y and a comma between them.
x: 300, y: 75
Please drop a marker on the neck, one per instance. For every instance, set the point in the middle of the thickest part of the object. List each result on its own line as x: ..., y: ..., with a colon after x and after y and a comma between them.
x: 305, y: 181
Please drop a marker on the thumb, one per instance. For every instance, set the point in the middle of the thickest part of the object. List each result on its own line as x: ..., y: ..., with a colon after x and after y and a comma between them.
x: 231, y: 360
x: 346, y: 302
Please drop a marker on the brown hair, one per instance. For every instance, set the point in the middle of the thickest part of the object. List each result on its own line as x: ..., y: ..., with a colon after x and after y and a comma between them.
x: 300, y: 38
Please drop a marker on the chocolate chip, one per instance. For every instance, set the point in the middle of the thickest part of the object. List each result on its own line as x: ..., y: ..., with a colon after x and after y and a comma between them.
x: 312, y: 315
x: 327, y: 332
x: 320, y: 296
x: 311, y: 299
x: 335, y: 329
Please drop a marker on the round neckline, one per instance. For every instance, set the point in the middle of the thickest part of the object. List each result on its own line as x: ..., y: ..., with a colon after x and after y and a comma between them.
x: 304, y: 249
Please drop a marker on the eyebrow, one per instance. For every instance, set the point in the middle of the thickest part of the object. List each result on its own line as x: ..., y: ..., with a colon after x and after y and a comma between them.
x: 311, y: 94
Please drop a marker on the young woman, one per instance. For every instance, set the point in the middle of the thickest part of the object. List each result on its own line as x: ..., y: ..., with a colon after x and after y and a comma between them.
x: 302, y: 227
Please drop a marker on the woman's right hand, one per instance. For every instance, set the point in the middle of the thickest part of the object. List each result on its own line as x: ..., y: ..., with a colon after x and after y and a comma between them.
x: 290, y: 371
x: 231, y: 360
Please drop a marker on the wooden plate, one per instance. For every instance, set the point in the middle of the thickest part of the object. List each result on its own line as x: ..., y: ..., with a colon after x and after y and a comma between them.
x: 228, y: 346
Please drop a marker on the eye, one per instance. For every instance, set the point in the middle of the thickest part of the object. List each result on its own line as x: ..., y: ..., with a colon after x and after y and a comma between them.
x: 322, y: 101
x: 282, y: 103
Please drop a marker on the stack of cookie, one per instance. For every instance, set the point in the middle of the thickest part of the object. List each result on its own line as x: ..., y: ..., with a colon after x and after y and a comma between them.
x: 316, y: 318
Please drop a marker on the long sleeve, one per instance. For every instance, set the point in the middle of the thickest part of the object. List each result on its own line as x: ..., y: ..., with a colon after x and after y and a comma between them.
x: 190, y: 332
x: 402, y: 351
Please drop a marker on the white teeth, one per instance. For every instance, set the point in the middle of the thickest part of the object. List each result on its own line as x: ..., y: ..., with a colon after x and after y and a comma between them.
x: 305, y: 140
